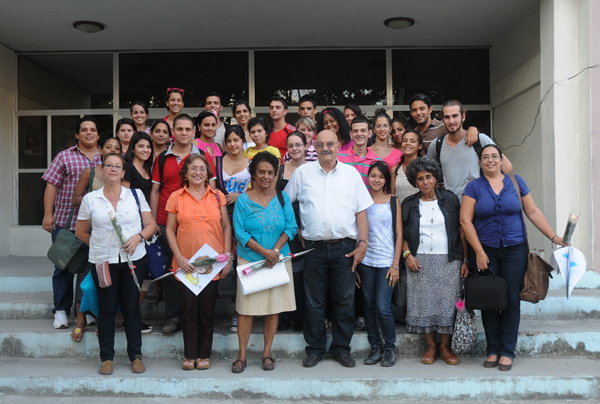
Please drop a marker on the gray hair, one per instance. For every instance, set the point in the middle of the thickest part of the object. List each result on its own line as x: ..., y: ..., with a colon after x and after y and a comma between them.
x: 425, y: 165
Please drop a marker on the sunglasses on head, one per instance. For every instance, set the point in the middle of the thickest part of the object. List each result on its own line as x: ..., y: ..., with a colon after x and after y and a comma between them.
x: 171, y: 89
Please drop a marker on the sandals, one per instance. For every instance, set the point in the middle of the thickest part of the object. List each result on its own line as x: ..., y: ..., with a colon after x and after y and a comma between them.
x: 77, y: 334
x: 202, y: 364
x: 268, y: 365
x: 155, y: 299
x: 188, y: 364
x: 238, y: 366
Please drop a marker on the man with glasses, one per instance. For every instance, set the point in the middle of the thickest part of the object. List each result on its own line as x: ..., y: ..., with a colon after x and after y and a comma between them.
x: 429, y: 128
x: 459, y: 162
x: 165, y: 181
x: 61, y: 179
x: 359, y: 156
x: 333, y: 201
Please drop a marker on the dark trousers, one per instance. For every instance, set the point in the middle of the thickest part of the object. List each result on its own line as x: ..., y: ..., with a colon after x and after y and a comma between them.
x: 378, y: 306
x: 327, y: 269
x: 62, y: 285
x: 125, y: 293
x: 502, y: 327
x: 169, y: 284
x: 198, y: 319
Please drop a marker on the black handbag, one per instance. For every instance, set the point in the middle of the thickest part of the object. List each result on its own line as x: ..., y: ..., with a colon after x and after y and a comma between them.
x: 485, y: 292
x: 67, y: 252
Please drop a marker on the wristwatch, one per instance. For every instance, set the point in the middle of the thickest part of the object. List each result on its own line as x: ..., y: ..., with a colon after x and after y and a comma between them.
x: 140, y: 234
x: 364, y: 241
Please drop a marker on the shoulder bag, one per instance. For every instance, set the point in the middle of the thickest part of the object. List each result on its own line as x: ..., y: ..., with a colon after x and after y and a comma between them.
x: 157, y: 260
x: 536, y: 281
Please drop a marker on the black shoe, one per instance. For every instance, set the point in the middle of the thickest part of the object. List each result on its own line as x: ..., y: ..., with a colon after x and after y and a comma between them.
x: 297, y: 325
x: 146, y: 329
x: 311, y: 360
x: 360, y: 324
x: 284, y: 324
x: 345, y: 360
x: 375, y: 356
x: 389, y: 358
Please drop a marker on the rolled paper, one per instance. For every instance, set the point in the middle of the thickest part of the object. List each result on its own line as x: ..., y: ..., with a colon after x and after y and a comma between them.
x: 570, y: 229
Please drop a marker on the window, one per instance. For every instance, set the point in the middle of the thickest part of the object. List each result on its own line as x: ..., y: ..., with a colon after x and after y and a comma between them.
x: 65, y: 82
x: 335, y: 77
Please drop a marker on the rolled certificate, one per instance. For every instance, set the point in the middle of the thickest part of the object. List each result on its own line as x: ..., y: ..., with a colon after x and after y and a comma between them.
x: 571, y: 223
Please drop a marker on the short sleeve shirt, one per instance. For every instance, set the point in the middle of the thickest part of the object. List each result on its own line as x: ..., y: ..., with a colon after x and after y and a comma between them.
x: 436, y: 129
x: 329, y: 201
x: 279, y: 139
x: 104, y: 241
x: 198, y: 221
x: 460, y: 163
x: 497, y: 218
x: 361, y: 164
x: 64, y: 172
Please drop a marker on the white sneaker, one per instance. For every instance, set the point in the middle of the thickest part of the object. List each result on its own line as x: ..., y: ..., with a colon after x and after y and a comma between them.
x: 234, y: 321
x: 90, y: 320
x: 60, y: 319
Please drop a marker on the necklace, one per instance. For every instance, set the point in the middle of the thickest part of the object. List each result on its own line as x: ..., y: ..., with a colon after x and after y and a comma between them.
x: 232, y: 163
x: 421, y: 223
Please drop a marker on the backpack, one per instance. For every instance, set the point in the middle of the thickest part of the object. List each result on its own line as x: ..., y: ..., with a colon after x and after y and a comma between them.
x: 162, y: 159
x: 440, y: 141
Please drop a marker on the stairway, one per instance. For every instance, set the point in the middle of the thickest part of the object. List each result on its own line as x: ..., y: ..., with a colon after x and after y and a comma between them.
x: 557, y: 356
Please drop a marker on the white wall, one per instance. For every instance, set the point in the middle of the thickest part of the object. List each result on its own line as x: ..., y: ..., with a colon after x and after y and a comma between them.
x: 515, y: 96
x: 7, y: 114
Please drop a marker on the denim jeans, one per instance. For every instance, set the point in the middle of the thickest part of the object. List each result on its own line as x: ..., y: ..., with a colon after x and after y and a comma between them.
x: 502, y: 327
x: 122, y: 291
x: 327, y: 269
x: 62, y: 285
x: 169, y: 284
x: 378, y: 305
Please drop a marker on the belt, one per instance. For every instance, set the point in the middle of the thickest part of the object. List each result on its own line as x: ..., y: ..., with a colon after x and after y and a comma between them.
x: 334, y: 241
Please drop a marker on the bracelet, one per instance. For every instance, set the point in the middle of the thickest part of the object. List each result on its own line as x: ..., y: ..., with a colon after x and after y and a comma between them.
x: 465, y: 260
x: 406, y: 254
x: 229, y: 256
x: 552, y: 239
x: 394, y: 266
x: 276, y: 250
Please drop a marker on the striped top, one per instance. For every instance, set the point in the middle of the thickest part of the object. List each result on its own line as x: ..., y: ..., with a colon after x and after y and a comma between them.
x: 352, y: 158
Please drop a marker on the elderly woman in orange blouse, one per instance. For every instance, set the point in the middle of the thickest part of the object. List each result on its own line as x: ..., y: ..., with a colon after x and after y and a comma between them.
x: 197, y: 216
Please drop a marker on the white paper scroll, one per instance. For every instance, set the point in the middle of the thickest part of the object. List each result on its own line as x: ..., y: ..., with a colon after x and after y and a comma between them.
x: 571, y: 264
x: 263, y: 279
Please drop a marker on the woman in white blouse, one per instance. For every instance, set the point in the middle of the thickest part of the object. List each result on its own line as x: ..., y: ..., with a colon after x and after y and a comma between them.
x: 112, y: 275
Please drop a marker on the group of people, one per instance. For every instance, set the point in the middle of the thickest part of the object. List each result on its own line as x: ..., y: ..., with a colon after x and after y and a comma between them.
x: 374, y: 201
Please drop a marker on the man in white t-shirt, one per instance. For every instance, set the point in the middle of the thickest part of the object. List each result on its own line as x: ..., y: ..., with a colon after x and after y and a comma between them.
x: 459, y: 162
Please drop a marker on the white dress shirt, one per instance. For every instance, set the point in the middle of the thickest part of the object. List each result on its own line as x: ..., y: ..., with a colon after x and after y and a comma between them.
x: 330, y: 201
x: 104, y: 242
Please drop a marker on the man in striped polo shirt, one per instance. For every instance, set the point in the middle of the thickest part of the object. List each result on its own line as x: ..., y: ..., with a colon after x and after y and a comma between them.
x: 359, y: 156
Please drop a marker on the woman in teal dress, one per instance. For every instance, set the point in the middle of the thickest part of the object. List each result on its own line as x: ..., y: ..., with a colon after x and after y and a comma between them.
x: 264, y: 221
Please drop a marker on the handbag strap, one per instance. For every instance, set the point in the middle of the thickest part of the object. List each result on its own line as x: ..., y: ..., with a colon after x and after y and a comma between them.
x: 70, y: 219
x: 516, y: 185
x: 137, y: 200
x: 91, y: 179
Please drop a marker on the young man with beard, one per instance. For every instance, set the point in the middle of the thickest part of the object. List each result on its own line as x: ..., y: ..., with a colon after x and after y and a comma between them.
x: 459, y: 162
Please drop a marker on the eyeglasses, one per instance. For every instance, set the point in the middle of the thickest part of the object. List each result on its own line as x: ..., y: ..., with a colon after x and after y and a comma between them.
x: 197, y: 169
x: 111, y: 166
x: 296, y: 145
x: 171, y: 89
x: 330, y: 145
x: 492, y: 157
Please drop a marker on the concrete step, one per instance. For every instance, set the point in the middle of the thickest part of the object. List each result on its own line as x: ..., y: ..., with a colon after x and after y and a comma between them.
x: 37, y: 339
x: 583, y: 304
x: 541, y: 378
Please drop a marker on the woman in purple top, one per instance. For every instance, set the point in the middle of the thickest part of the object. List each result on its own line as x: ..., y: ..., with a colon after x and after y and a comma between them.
x: 491, y: 218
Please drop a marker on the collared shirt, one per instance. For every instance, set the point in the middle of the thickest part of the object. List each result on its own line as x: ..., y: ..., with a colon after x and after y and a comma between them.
x: 434, y: 130
x: 171, y: 180
x: 361, y: 164
x: 330, y: 201
x: 497, y: 218
x: 64, y: 172
x: 198, y: 221
x: 104, y: 241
